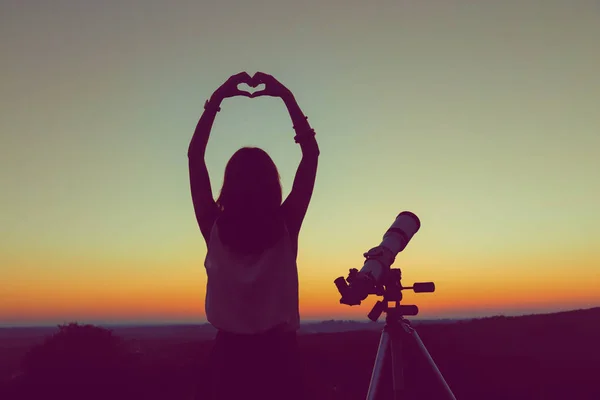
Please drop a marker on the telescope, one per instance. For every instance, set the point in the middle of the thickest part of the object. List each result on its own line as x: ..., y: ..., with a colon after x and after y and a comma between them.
x: 377, y: 277
x: 372, y: 276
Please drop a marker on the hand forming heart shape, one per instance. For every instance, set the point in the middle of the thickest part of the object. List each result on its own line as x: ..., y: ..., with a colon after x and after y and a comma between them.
x: 272, y: 87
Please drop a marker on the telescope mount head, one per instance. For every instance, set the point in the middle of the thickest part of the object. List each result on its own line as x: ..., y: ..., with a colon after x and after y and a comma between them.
x: 390, y: 289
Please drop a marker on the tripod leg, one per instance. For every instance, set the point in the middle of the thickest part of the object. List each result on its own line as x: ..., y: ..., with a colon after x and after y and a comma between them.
x: 431, y: 363
x: 398, y: 379
x: 378, y: 368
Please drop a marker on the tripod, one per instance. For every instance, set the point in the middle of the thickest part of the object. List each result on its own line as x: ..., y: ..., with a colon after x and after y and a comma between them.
x: 396, y: 333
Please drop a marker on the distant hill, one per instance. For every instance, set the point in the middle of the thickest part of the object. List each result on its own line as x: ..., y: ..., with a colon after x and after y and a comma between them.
x: 16, y: 336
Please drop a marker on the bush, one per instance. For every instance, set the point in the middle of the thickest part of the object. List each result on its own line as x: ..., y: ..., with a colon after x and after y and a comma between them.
x: 77, y: 358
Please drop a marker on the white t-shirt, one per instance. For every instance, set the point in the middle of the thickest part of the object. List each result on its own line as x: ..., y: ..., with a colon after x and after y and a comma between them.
x: 251, y: 294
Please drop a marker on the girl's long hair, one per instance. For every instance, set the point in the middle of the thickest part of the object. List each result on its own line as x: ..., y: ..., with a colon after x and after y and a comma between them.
x: 250, y: 201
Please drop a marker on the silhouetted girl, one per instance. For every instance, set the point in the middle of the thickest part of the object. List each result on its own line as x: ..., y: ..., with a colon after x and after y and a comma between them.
x: 252, y: 242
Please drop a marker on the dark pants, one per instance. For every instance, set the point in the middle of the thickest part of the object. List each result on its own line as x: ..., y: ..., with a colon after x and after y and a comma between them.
x: 264, y: 366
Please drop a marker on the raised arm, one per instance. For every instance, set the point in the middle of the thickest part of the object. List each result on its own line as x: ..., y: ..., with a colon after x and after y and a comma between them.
x: 205, y: 207
x: 296, y: 204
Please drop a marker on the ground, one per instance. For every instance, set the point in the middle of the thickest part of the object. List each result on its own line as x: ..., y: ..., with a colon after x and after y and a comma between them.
x: 552, y: 356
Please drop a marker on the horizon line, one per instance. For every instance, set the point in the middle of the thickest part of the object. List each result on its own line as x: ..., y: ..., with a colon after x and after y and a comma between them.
x: 306, y: 321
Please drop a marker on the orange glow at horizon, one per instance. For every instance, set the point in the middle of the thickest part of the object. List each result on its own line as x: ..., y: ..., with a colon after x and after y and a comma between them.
x: 160, y: 295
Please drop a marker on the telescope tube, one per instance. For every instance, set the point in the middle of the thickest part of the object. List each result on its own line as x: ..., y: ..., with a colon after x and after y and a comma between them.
x: 380, y: 258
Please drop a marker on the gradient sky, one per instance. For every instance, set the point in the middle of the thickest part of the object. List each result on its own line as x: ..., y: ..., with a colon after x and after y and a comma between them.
x: 480, y: 117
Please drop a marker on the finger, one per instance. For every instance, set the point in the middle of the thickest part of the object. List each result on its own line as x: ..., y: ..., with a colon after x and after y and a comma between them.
x: 261, y: 77
x: 241, y: 77
x: 243, y: 93
x: 260, y: 93
x: 270, y: 78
